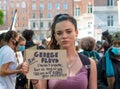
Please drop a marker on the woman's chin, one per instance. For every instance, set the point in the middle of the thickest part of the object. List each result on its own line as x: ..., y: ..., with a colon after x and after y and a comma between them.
x: 65, y: 47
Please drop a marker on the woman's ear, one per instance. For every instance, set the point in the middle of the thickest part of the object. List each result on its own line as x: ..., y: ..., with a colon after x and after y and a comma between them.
x: 76, y: 33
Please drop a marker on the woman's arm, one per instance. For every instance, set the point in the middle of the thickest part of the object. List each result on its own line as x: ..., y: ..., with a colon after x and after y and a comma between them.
x: 5, y: 71
x: 37, y: 84
x: 93, y: 75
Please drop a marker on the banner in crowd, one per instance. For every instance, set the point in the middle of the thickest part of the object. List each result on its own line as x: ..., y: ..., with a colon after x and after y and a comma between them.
x: 46, y: 64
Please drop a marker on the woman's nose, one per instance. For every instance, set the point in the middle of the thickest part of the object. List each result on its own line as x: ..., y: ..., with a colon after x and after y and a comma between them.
x: 64, y: 35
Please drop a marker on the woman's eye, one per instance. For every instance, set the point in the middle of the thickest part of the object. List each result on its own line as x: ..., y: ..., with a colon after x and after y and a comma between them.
x: 69, y: 32
x: 59, y: 33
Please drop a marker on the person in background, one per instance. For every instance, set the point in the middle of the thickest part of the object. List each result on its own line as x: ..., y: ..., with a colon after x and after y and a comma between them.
x: 63, y: 35
x: 2, y: 41
x: 20, y: 49
x: 106, y: 41
x: 88, y: 45
x: 28, y: 35
x: 109, y: 67
x: 21, y: 80
x: 8, y: 61
x: 42, y: 45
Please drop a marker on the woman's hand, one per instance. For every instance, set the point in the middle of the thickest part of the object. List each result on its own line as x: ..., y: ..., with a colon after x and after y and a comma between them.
x: 25, y: 68
x: 34, y: 81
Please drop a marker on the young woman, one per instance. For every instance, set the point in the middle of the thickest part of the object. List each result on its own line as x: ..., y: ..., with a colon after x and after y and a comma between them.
x: 64, y: 33
x: 8, y: 61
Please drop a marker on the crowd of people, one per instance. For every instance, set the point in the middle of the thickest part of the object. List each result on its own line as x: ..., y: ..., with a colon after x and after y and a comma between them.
x: 104, y: 58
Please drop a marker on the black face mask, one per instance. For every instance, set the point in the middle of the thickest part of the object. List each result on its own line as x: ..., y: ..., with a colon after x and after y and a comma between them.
x: 15, y: 43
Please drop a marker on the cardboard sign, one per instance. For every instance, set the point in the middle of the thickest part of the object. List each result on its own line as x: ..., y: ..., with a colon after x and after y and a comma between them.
x: 46, y: 64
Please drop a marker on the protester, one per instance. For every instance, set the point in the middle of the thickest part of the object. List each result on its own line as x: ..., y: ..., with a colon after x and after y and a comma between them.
x: 21, y: 80
x: 20, y: 49
x: 109, y: 67
x: 9, y: 62
x: 106, y: 40
x: 28, y: 35
x: 42, y: 45
x: 88, y: 45
x: 63, y: 36
x: 2, y: 41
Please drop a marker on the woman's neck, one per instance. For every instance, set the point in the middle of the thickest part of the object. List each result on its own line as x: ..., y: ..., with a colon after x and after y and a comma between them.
x: 10, y: 45
x: 71, y: 55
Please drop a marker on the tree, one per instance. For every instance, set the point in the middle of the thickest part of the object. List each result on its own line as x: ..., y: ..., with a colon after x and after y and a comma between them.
x: 1, y: 17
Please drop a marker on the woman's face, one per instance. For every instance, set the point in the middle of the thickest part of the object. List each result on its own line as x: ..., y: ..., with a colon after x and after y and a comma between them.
x: 65, y: 34
x: 15, y: 41
x: 22, y: 43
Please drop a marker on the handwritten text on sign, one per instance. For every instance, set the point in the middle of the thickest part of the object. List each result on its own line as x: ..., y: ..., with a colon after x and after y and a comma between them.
x: 46, y: 64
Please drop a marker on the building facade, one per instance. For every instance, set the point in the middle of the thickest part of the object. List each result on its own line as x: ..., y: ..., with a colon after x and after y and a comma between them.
x: 93, y: 16
x: 97, y: 16
x: 106, y: 15
x: 34, y: 14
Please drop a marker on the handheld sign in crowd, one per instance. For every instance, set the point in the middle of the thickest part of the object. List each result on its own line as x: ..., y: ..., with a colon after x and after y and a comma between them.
x: 46, y: 64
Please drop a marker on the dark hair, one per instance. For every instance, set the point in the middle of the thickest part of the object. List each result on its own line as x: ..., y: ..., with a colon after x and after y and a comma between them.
x: 2, y: 36
x: 28, y: 34
x: 10, y: 34
x: 59, y: 18
x: 105, y: 33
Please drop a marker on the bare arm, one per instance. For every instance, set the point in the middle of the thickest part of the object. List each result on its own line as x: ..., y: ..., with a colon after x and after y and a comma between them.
x: 5, y: 71
x: 93, y: 75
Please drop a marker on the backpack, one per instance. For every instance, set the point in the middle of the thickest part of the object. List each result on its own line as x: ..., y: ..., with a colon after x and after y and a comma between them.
x: 86, y: 62
x: 22, y: 82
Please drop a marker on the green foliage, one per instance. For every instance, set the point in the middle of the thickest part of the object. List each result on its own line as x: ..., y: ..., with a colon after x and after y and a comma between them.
x: 1, y: 17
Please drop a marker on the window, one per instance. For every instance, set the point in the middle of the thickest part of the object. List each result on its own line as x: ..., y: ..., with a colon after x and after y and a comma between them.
x: 65, y: 6
x: 49, y: 15
x: 57, y: 6
x: 41, y: 15
x: 49, y: 6
x: 49, y: 24
x: 4, y: 7
x: 4, y: 2
x: 12, y: 5
x: 77, y: 12
x: 89, y: 8
x: 33, y: 15
x: 110, y: 21
x: 23, y: 5
x: 23, y: 11
x: 41, y: 7
x: 34, y: 25
x: 110, y: 2
x: 89, y: 24
x: 23, y: 18
x: 41, y: 24
x: 33, y: 6
x: 17, y: 5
